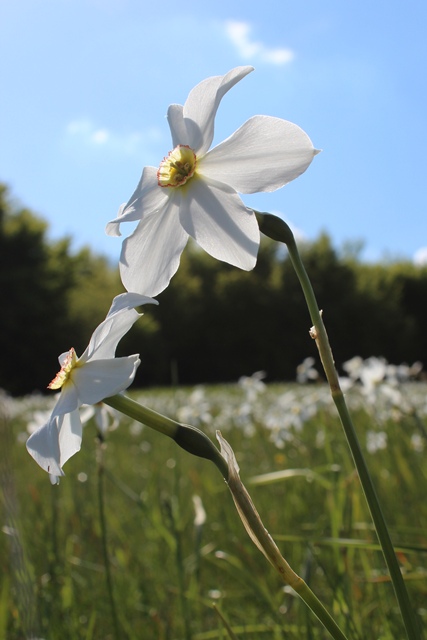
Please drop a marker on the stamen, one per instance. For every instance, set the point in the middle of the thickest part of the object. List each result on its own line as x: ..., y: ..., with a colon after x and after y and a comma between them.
x: 64, y: 373
x: 177, y: 167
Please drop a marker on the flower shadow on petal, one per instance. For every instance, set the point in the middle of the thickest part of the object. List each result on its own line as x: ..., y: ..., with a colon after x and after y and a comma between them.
x: 218, y: 218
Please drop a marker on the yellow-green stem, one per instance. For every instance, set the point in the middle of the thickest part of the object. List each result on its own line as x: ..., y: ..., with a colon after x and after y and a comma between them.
x: 277, y: 229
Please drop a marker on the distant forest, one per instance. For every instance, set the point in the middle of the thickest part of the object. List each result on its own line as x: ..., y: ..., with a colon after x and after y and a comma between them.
x: 214, y: 323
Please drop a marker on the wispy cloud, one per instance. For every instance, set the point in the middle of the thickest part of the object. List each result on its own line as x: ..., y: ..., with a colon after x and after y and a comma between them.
x: 239, y: 33
x: 85, y: 132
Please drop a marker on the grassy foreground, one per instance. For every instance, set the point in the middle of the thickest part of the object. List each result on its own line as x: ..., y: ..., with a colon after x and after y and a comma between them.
x: 180, y: 560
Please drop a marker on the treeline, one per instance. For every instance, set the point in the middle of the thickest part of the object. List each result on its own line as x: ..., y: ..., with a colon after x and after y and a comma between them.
x: 214, y: 323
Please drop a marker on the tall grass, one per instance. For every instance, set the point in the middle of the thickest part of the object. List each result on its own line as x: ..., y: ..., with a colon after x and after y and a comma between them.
x: 172, y: 578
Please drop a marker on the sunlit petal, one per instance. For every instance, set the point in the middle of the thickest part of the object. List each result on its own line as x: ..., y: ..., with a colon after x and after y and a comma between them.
x: 147, y: 197
x: 217, y: 219
x: 68, y: 399
x: 178, y: 126
x: 129, y: 301
x: 99, y: 379
x: 119, y: 320
x: 263, y: 155
x: 200, y: 109
x: 70, y: 435
x: 150, y: 256
x: 43, y: 446
x: 106, y: 337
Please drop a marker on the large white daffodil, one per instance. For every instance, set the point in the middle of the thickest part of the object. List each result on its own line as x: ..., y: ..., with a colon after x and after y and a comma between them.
x: 194, y: 190
x: 96, y: 375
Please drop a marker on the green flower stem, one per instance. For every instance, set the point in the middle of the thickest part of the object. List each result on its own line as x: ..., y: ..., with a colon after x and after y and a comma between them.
x: 187, y: 437
x: 277, y: 229
x: 196, y: 442
x: 265, y: 543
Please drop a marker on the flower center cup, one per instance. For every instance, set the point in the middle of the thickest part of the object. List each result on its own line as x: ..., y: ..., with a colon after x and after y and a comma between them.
x: 63, y: 375
x: 177, y: 167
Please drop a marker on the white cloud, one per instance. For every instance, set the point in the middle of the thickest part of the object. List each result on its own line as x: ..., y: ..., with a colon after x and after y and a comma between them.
x: 85, y: 132
x: 420, y: 256
x: 239, y: 34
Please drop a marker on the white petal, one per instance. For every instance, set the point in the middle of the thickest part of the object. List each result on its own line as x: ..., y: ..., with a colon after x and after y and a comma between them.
x: 150, y: 256
x: 107, y: 335
x: 113, y: 227
x: 70, y: 435
x: 263, y: 155
x: 217, y: 219
x: 147, y: 197
x: 43, y: 446
x: 178, y: 126
x: 119, y: 320
x: 196, y: 120
x: 129, y: 301
x: 68, y: 400
x: 100, y: 379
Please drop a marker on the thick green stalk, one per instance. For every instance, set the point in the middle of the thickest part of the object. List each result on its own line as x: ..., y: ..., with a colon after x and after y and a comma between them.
x: 277, y: 229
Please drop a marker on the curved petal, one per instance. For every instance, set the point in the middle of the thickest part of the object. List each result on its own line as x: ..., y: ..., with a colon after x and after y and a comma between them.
x: 177, y: 125
x: 70, y: 435
x: 63, y: 357
x: 150, y: 256
x: 196, y: 119
x: 99, y: 379
x: 129, y: 301
x: 147, y: 197
x: 120, y: 318
x: 43, y: 446
x: 217, y: 219
x: 107, y: 335
x: 264, y: 154
x: 68, y: 400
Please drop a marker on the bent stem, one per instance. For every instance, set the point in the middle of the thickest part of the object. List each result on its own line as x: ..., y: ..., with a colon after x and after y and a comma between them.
x: 265, y: 543
x: 277, y: 229
x: 196, y: 442
x: 187, y: 437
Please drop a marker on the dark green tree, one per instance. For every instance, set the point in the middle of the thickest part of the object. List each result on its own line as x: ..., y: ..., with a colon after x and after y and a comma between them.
x: 34, y: 282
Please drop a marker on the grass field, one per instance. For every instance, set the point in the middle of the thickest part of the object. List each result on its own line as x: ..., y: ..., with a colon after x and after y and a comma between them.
x: 180, y: 561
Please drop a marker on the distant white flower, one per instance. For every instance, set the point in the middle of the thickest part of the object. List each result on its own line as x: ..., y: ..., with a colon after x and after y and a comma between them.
x: 196, y: 410
x: 253, y: 385
x: 194, y: 191
x: 106, y: 418
x: 306, y: 371
x: 353, y: 367
x: 199, y: 511
x: 417, y: 443
x: 375, y: 441
x: 96, y: 375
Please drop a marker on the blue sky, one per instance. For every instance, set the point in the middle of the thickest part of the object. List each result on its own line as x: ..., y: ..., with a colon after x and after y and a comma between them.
x: 86, y: 85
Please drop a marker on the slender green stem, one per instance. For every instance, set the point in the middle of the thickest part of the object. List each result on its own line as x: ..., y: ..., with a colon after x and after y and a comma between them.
x: 196, y: 442
x: 265, y: 543
x: 187, y: 437
x: 278, y: 230
x: 104, y: 541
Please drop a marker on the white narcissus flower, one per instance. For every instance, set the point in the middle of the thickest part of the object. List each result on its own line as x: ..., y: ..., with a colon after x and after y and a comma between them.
x: 194, y: 191
x: 96, y: 375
